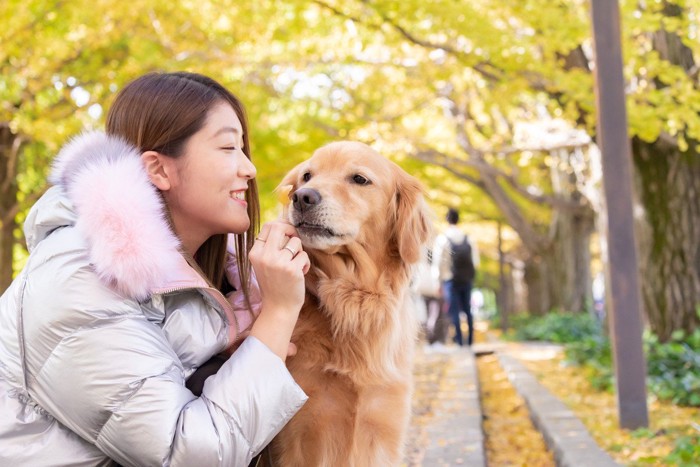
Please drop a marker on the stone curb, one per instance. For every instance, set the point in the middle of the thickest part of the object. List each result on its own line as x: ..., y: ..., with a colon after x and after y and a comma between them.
x: 565, y: 435
x: 457, y: 437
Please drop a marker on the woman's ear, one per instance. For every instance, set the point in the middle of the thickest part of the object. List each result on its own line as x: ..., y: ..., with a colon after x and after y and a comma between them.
x: 158, y: 169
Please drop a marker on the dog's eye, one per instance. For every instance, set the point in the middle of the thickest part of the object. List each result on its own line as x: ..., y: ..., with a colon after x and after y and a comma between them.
x: 360, y: 180
x: 306, y: 177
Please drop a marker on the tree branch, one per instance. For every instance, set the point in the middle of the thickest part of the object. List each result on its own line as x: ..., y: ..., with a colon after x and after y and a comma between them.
x: 430, y: 156
x: 29, y: 200
x: 485, y: 168
x: 11, y: 169
x: 481, y: 66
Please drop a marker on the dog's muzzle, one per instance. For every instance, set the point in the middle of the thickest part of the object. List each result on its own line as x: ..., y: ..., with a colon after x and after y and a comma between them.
x: 305, y: 199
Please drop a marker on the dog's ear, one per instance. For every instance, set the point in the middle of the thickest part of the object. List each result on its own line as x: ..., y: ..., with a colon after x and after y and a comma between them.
x: 412, y: 224
x: 291, y: 178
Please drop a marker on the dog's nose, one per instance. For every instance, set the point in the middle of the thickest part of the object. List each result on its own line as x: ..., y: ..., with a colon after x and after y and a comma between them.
x: 305, y: 198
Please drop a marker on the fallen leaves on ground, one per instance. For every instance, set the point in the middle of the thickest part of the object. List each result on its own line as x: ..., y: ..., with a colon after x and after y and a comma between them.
x: 598, y: 411
x: 511, y: 438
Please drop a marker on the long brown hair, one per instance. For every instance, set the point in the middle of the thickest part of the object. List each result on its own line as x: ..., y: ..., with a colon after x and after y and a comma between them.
x: 160, y: 112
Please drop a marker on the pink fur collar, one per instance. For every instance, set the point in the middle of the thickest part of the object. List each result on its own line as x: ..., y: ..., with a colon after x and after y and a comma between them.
x: 120, y: 213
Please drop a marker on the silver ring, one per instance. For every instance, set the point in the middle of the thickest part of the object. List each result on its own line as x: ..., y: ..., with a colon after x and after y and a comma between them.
x: 260, y: 239
x: 294, y: 253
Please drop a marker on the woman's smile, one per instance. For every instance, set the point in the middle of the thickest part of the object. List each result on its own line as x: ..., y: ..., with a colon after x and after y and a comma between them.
x: 239, y: 196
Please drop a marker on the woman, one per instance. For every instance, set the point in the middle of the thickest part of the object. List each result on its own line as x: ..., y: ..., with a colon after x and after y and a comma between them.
x: 129, y: 288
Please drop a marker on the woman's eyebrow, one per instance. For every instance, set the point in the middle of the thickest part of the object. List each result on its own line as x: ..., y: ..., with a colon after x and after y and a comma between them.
x: 226, y: 129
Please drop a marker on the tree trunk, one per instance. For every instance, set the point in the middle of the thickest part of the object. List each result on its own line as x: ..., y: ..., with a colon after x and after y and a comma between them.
x: 505, y: 284
x: 505, y: 298
x: 568, y: 262
x: 535, y: 277
x: 560, y: 277
x: 517, y: 287
x: 8, y: 199
x: 582, y: 297
x: 668, y: 183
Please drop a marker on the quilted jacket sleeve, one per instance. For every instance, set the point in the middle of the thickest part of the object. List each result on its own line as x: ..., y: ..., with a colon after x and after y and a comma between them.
x: 109, y: 375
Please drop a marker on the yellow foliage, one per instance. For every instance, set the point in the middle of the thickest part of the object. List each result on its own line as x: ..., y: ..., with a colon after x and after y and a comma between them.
x: 511, y: 438
x: 598, y: 411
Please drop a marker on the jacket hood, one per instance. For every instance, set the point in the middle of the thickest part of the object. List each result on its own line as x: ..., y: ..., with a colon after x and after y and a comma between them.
x: 104, y: 191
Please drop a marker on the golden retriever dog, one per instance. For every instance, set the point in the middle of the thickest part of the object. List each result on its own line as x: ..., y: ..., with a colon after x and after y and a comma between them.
x: 363, y: 221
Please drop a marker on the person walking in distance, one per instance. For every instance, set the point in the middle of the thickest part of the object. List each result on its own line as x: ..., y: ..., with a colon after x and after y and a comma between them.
x: 456, y: 260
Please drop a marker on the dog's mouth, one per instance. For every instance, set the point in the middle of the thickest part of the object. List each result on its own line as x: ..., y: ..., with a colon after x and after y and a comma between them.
x: 318, y: 230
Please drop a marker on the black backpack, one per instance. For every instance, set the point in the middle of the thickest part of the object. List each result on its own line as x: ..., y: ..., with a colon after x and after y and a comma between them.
x: 463, y: 271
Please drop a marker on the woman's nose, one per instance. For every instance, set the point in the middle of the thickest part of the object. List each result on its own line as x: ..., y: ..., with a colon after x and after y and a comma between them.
x: 247, y: 169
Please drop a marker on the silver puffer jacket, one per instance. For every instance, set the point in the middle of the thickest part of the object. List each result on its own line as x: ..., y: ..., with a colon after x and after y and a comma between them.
x: 101, y: 329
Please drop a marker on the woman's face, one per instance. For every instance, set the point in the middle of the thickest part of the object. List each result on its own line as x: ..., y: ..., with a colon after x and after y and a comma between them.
x: 207, y: 192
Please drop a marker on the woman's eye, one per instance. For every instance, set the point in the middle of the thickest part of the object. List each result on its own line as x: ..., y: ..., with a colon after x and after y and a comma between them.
x: 306, y: 177
x: 360, y: 180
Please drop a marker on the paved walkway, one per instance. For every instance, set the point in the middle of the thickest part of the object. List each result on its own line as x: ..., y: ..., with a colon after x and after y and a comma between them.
x: 447, y: 429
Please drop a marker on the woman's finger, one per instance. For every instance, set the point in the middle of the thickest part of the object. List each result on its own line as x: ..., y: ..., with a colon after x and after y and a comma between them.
x: 279, y: 235
x: 293, y: 246
x: 261, y: 239
x: 288, y: 229
x: 302, y: 261
x: 264, y: 233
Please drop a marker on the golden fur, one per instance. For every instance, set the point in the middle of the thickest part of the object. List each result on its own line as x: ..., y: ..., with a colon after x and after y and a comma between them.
x: 356, y: 331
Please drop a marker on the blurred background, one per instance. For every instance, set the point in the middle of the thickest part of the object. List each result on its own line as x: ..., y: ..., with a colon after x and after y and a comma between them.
x: 490, y: 103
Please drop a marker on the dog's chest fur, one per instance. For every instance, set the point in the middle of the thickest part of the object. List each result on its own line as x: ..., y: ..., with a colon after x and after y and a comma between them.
x: 354, y: 392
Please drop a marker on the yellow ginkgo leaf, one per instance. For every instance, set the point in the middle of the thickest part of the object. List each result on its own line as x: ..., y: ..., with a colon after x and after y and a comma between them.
x: 283, y: 194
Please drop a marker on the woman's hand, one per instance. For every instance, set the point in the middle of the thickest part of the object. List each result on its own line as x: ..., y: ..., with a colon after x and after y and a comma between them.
x: 280, y: 264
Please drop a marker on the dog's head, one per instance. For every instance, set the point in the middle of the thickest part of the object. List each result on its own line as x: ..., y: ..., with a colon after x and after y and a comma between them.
x: 347, y: 193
